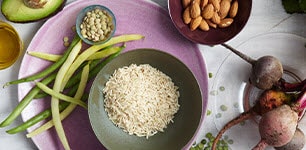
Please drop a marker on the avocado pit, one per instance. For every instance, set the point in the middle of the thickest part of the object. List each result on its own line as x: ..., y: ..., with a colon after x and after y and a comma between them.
x: 35, y: 4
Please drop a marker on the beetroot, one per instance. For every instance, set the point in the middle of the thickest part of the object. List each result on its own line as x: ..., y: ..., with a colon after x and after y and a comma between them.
x: 267, y: 101
x: 278, y: 126
x: 280, y: 111
x: 297, y: 142
x: 266, y: 71
x: 272, y: 100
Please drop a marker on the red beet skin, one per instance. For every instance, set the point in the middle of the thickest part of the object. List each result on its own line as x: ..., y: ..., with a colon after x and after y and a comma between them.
x: 278, y: 126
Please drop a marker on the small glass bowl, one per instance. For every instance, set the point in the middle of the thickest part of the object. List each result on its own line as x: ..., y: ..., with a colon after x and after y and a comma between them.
x: 11, y: 46
x: 83, y: 14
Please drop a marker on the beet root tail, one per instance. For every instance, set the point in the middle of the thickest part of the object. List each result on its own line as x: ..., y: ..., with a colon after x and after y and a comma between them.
x: 261, y: 145
x: 243, y: 116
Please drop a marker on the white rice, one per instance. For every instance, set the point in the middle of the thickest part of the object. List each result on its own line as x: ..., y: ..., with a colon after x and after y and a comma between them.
x: 141, y: 100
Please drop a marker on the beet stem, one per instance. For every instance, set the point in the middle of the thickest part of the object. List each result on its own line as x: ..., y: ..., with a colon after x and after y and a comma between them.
x: 302, y: 100
x: 243, y: 116
x: 290, y: 87
x: 241, y: 55
x: 260, y: 146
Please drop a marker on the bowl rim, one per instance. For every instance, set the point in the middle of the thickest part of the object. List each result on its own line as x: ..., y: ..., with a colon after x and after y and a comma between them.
x: 13, y: 32
x: 203, y: 107
x: 82, y: 14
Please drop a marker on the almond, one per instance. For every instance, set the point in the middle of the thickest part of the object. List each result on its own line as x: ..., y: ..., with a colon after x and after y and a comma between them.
x: 198, y: 1
x: 186, y: 15
x: 195, y: 23
x: 203, y: 4
x: 225, y: 6
x: 234, y: 9
x: 208, y: 11
x: 216, y: 18
x: 186, y: 3
x: 215, y: 3
x: 203, y: 25
x: 225, y: 22
x: 195, y: 10
x: 211, y: 24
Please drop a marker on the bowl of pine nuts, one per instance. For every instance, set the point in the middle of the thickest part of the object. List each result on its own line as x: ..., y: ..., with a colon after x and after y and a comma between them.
x: 95, y: 24
x: 209, y: 22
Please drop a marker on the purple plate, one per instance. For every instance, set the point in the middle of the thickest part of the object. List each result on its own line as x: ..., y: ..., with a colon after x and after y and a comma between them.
x: 213, y: 36
x: 133, y: 16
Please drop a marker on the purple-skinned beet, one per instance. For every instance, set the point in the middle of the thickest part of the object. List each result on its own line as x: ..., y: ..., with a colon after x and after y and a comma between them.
x: 266, y: 71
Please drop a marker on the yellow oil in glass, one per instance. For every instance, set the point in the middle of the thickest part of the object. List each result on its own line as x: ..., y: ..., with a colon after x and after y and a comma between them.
x: 10, y: 45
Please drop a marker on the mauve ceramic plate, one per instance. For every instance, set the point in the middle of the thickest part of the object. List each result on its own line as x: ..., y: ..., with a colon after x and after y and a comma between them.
x: 213, y: 36
x: 133, y: 16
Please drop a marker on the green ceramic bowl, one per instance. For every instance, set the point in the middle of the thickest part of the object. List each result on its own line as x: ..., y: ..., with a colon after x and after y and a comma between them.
x: 186, y: 121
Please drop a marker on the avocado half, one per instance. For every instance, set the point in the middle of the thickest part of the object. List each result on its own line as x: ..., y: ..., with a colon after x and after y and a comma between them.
x: 17, y: 11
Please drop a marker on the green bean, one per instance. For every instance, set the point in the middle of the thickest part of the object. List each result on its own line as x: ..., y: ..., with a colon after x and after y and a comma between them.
x: 58, y: 86
x: 73, y: 81
x: 60, y: 95
x: 92, y: 49
x: 56, y: 57
x: 105, y: 53
x: 35, y: 90
x: 93, y: 73
x: 63, y: 105
x: 40, y: 95
x: 50, y: 69
x: 69, y: 109
x: 45, y: 56
x: 71, y: 92
x: 76, y: 78
x: 37, y: 118
x: 45, y: 114
x: 102, y: 54
x: 25, y: 101
x: 94, y: 66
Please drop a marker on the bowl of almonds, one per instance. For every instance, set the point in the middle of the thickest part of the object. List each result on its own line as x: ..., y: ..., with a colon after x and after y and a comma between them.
x: 209, y: 22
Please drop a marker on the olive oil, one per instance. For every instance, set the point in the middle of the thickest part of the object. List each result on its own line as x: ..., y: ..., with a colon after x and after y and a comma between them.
x: 10, y: 45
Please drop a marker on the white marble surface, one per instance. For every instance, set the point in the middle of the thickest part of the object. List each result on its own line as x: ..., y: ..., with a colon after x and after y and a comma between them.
x: 266, y: 16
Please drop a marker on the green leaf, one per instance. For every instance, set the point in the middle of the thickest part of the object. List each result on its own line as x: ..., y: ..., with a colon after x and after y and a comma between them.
x: 302, y: 4
x: 292, y: 6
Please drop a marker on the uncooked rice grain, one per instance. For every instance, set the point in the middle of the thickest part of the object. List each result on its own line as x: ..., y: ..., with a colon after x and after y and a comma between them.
x: 141, y: 99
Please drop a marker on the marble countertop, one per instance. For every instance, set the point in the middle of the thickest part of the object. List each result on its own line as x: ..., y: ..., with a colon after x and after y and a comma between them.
x: 266, y: 17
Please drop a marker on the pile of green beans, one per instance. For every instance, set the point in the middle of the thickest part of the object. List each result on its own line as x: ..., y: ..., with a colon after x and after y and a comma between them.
x: 95, y: 67
x: 48, y: 76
